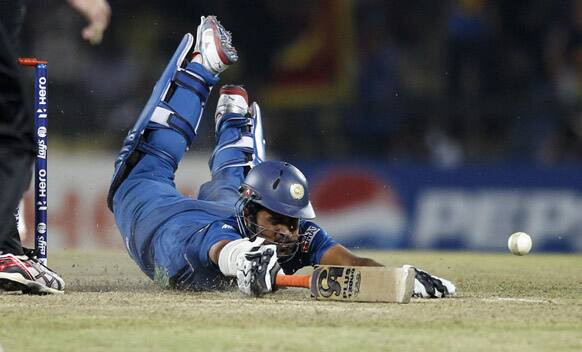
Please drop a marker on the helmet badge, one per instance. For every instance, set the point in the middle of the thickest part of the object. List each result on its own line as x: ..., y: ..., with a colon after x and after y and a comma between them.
x: 297, y: 191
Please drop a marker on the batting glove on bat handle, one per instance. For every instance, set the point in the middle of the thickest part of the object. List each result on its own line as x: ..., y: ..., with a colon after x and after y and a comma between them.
x: 430, y: 286
x: 257, y: 271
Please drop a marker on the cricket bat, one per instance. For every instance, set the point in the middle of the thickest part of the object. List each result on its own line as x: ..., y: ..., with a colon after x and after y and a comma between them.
x: 355, y: 283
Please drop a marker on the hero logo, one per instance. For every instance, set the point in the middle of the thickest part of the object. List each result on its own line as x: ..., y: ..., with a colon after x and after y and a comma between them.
x: 41, y: 205
x: 308, y: 237
x: 42, y: 93
x: 42, y: 184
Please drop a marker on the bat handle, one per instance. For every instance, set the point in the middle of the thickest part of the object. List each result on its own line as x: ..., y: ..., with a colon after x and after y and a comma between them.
x: 293, y: 280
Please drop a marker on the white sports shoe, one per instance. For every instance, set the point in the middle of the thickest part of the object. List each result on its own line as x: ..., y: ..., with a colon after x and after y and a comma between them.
x: 233, y: 99
x: 25, y: 273
x: 213, y: 47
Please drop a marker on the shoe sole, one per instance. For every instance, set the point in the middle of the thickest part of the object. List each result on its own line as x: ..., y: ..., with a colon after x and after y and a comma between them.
x: 16, y: 282
x: 221, y: 52
x: 212, y: 24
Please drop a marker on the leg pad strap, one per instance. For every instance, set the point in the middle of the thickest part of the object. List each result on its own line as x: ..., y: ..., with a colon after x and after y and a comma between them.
x: 163, y: 115
x: 193, y: 82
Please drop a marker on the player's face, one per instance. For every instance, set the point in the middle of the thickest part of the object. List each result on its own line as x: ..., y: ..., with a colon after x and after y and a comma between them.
x: 277, y: 228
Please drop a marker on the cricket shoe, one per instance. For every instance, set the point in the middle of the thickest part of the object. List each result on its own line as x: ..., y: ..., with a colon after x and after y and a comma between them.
x: 213, y: 49
x: 233, y: 99
x: 26, y: 274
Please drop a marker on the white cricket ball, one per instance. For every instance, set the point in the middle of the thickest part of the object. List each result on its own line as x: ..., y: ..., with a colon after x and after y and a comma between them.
x: 519, y: 243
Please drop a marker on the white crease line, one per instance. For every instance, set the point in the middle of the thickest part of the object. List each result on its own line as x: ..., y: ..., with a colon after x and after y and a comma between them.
x: 525, y: 300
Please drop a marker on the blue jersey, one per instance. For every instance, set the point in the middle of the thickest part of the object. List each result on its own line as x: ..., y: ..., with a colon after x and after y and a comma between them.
x: 169, y: 235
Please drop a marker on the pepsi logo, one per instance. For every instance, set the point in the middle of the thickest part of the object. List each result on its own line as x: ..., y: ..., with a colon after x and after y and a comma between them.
x: 359, y: 208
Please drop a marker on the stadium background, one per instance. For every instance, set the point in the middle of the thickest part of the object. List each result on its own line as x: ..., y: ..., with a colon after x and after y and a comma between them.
x: 421, y: 124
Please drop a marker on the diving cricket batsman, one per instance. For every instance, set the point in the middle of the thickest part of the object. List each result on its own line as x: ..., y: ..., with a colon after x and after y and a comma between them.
x: 251, y: 220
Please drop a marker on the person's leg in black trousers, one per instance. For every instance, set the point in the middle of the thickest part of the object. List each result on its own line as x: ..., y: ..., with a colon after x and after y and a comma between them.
x: 16, y: 128
x: 20, y: 270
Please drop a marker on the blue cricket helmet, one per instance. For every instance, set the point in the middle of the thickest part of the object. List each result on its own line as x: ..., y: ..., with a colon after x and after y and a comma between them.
x: 279, y: 187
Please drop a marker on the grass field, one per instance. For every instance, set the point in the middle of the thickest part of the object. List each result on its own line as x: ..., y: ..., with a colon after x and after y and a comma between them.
x: 505, y: 303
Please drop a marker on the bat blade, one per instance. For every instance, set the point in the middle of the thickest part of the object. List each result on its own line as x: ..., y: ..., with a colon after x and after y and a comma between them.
x: 355, y: 284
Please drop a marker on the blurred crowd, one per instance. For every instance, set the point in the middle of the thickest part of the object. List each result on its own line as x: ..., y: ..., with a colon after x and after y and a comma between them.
x: 446, y: 82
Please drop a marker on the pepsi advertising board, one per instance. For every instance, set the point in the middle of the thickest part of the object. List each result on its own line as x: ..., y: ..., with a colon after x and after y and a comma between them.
x: 370, y: 205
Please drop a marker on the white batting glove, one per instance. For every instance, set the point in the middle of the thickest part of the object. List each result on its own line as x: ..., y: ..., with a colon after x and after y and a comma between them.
x: 257, y: 269
x: 230, y: 253
x: 430, y: 286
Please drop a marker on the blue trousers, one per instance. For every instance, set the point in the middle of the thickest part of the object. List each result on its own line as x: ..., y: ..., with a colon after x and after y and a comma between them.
x: 166, y: 233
